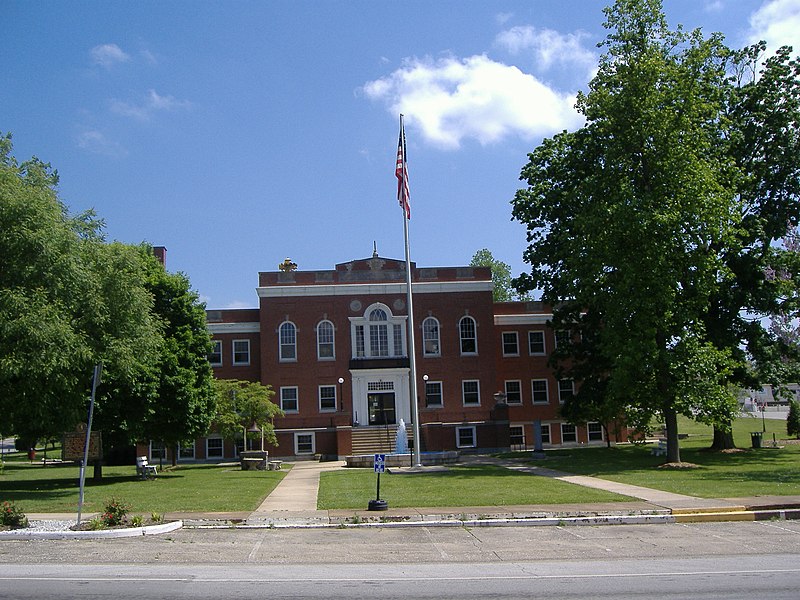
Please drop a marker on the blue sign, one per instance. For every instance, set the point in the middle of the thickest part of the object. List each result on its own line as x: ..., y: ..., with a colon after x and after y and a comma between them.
x: 380, y: 463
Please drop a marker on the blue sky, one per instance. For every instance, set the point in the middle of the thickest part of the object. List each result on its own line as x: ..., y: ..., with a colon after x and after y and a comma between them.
x: 240, y: 133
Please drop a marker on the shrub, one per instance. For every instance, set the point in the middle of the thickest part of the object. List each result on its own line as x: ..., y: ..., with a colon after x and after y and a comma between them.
x: 793, y: 419
x: 114, y: 513
x: 156, y: 517
x: 137, y: 521
x: 96, y: 524
x: 12, y: 516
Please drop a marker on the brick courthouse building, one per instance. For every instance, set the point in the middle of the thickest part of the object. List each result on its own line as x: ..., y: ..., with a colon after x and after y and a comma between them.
x: 333, y: 346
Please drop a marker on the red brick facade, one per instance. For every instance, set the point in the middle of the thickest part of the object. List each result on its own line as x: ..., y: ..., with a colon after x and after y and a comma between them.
x: 333, y: 346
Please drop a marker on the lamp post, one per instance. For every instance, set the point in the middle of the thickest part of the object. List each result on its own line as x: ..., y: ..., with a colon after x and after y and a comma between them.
x: 341, y: 396
x: 425, y: 383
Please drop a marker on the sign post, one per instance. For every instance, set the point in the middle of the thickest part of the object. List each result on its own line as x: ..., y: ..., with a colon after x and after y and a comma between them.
x: 379, y: 467
x: 85, y: 458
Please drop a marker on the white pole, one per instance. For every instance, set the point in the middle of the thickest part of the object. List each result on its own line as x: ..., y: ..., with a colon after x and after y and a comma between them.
x: 412, y: 376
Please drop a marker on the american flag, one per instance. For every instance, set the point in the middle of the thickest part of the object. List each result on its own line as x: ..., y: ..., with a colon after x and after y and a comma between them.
x: 401, y: 172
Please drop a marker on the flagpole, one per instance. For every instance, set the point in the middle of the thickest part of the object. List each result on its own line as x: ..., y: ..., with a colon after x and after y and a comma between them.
x: 412, y: 350
x: 401, y: 170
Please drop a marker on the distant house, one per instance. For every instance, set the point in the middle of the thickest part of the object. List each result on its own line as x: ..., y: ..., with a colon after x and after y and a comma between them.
x: 333, y: 345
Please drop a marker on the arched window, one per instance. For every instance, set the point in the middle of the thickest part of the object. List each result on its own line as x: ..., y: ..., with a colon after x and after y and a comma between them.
x: 430, y: 337
x: 467, y: 332
x: 325, y: 340
x: 379, y: 333
x: 287, y: 334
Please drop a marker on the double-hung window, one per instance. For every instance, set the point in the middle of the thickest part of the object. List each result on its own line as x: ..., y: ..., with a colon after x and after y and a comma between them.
x: 470, y: 392
x: 215, y: 357
x: 287, y: 334
x: 430, y: 337
x: 241, y: 352
x: 325, y: 348
x: 289, y: 400
x: 468, y: 335
x: 510, y: 343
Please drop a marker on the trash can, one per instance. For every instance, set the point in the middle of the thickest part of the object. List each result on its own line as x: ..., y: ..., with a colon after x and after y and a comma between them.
x: 755, y: 438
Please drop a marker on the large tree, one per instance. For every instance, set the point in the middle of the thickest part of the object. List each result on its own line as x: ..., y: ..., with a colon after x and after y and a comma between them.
x: 70, y: 300
x: 241, y: 404
x: 623, y: 214
x: 185, y: 398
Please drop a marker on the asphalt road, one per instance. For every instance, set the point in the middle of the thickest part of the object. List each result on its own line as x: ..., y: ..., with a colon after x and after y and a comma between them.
x: 713, y: 560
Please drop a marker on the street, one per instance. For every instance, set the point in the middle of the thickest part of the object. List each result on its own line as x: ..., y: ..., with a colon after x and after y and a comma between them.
x: 713, y: 560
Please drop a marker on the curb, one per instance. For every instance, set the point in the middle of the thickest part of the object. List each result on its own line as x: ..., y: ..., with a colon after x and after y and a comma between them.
x: 100, y: 533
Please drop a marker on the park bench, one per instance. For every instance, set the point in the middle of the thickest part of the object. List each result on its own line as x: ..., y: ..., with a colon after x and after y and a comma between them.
x: 144, y: 469
x: 659, y: 449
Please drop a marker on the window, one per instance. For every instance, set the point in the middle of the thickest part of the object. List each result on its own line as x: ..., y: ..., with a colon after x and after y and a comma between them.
x: 215, y: 357
x: 566, y: 390
x: 433, y: 393
x: 536, y: 343
x: 241, y: 352
x: 539, y: 390
x: 289, y: 403
x: 465, y: 437
x: 287, y: 333
x: 563, y: 338
x: 517, y: 437
x: 327, y: 398
x: 214, y: 447
x: 595, y: 431
x: 468, y: 336
x: 186, y: 452
x: 378, y: 334
x: 545, y: 433
x: 470, y: 393
x: 304, y: 443
x: 568, y: 433
x: 510, y: 343
x: 513, y: 392
x: 158, y: 451
x: 430, y: 337
x: 325, y: 341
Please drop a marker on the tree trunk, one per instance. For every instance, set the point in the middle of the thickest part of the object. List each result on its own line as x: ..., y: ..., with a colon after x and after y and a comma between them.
x: 673, y: 447
x: 723, y: 440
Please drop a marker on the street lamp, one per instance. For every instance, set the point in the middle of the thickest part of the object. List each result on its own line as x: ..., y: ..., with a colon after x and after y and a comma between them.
x: 341, y: 396
x: 425, y: 379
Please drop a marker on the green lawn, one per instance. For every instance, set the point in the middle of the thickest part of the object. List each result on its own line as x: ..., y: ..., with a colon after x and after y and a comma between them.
x: 459, y: 486
x: 768, y: 471
x: 207, y: 488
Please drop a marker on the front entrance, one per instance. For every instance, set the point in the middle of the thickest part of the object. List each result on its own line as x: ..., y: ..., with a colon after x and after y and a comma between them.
x: 381, y: 408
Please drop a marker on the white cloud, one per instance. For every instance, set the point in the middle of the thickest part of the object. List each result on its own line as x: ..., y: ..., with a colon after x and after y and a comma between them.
x: 453, y: 99
x: 714, y: 6
x: 778, y: 23
x: 97, y: 143
x: 151, y: 104
x: 549, y: 47
x: 107, y: 55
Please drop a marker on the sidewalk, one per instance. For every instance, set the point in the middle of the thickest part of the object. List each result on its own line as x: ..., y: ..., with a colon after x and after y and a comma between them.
x: 293, y: 504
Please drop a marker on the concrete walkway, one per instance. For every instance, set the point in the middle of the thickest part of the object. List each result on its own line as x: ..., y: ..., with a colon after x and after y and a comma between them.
x: 294, y: 501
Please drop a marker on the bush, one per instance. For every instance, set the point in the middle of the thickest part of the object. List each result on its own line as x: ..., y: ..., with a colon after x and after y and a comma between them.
x: 12, y: 516
x: 114, y: 513
x: 793, y: 419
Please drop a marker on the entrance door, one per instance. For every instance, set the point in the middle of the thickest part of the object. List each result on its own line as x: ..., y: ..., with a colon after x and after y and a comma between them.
x: 381, y: 408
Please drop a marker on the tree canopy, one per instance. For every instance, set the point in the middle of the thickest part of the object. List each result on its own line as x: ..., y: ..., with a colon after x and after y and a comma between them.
x: 648, y: 227
x: 70, y: 300
x: 502, y: 280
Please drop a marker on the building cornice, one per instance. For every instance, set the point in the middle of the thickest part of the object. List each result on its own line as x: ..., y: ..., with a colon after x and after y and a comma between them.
x: 370, y: 289
x: 218, y: 328
x: 522, y: 319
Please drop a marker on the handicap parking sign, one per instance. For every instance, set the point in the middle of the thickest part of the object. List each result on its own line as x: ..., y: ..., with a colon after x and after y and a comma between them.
x: 380, y: 463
